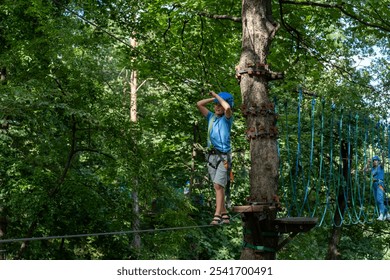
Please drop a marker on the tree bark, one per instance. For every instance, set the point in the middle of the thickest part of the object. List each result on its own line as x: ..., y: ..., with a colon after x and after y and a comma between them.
x: 133, y: 90
x: 136, y: 243
x: 3, y: 75
x: 258, y: 28
x: 334, y: 240
x: 3, y: 230
x: 4, y: 128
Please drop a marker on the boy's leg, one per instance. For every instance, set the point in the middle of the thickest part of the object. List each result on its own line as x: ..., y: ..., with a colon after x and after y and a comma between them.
x: 381, y: 203
x: 220, y: 182
x: 219, y: 175
x: 381, y: 200
x: 219, y: 199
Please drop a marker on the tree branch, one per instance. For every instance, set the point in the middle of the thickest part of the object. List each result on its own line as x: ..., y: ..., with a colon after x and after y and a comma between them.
x: 93, y: 151
x: 223, y: 17
x: 379, y: 16
x: 341, y: 9
x: 289, y: 28
x: 71, y: 151
x: 302, y: 43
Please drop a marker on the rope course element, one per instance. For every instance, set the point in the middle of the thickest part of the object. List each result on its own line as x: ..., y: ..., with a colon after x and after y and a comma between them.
x: 98, y: 234
x: 325, y: 179
x: 68, y: 236
x: 257, y: 69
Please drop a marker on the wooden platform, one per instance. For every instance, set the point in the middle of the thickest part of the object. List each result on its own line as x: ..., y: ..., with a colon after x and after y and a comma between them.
x: 294, y: 224
x: 281, y: 225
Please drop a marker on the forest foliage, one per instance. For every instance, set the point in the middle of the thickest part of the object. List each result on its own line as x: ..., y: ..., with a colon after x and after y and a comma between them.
x: 71, y: 158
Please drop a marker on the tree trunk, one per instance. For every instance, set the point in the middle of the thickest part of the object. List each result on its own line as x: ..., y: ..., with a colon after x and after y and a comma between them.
x: 133, y: 91
x: 334, y: 240
x: 136, y: 221
x: 258, y: 30
x: 3, y: 75
x: 136, y: 243
x: 3, y: 129
x: 3, y: 229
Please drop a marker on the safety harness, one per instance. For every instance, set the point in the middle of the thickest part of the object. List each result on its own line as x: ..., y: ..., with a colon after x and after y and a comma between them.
x: 380, y: 182
x: 213, y: 151
x: 228, y: 163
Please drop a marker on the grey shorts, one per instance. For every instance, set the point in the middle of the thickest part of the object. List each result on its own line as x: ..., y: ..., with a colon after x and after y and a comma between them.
x: 216, y: 165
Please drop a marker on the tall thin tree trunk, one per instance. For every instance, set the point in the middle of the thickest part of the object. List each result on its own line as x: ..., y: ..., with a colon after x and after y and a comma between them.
x: 334, y: 240
x: 133, y: 117
x: 133, y: 89
x: 3, y: 75
x: 194, y: 154
x: 258, y: 28
x: 3, y: 228
x: 136, y: 221
x: 3, y: 129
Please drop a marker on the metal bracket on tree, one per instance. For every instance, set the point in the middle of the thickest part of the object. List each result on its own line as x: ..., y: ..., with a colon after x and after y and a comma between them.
x: 258, y: 69
x: 261, y: 132
x: 262, y: 109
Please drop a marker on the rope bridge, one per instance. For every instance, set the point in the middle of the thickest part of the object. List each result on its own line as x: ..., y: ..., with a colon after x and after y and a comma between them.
x: 322, y: 152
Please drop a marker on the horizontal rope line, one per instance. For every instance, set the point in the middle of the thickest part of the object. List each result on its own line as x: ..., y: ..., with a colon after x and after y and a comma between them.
x: 98, y: 234
x: 13, y: 240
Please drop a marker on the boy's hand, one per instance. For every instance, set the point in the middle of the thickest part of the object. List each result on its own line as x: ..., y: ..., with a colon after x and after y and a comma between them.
x: 212, y: 93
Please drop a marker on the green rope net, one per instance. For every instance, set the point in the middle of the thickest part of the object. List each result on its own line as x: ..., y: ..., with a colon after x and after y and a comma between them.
x: 322, y: 152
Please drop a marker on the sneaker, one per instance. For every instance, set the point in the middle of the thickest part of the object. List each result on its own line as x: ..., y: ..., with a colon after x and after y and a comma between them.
x: 381, y: 217
x: 388, y: 217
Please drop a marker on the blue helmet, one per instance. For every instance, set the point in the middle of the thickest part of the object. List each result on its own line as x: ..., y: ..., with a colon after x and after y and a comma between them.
x: 375, y: 158
x: 227, y: 97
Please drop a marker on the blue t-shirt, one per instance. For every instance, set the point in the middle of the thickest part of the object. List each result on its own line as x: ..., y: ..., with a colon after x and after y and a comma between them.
x: 219, y: 132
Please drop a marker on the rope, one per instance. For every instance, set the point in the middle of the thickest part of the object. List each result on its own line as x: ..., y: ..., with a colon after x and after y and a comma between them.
x: 291, y: 180
x: 307, y: 187
x: 324, y: 178
x: 298, y: 146
x: 97, y: 234
x: 13, y: 240
x: 320, y: 179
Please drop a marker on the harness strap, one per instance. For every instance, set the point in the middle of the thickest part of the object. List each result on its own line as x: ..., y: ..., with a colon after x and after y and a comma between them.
x: 380, y: 184
x: 218, y: 162
x: 214, y: 151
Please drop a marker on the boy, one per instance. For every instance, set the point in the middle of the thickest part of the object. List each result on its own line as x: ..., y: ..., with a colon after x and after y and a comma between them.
x: 378, y: 176
x: 219, y: 147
